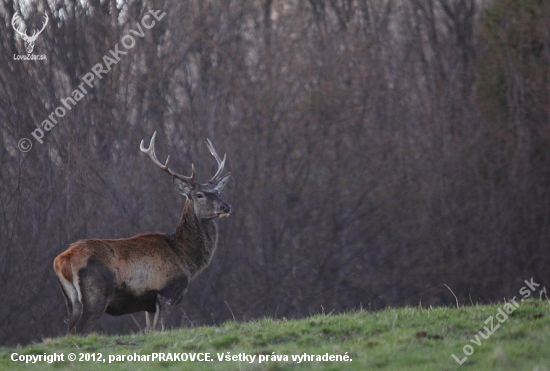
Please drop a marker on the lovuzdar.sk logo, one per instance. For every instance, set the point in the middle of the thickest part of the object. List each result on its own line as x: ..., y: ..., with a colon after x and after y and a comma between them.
x: 29, y: 40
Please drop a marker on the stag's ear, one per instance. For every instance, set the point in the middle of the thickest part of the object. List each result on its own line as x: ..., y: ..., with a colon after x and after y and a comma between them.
x: 182, y: 187
x: 221, y: 183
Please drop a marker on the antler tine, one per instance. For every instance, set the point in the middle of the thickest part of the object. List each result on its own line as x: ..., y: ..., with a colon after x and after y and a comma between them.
x: 221, y: 163
x: 151, y: 152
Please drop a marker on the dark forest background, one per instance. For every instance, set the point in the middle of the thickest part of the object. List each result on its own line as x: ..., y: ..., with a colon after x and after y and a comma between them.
x: 379, y: 149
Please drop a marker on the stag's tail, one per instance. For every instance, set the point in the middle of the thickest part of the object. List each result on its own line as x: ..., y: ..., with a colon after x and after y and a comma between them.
x: 68, y: 280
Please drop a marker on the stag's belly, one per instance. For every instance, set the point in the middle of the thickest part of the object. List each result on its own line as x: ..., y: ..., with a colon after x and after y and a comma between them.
x: 125, y: 301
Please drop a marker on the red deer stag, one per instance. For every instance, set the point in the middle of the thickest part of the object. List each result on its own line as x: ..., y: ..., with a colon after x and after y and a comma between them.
x: 149, y: 271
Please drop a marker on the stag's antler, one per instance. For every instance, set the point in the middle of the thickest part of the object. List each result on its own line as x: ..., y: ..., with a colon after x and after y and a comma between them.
x: 221, y: 163
x: 151, y: 152
x: 191, y: 180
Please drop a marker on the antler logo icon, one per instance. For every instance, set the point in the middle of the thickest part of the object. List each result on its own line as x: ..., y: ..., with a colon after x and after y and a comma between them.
x: 29, y: 40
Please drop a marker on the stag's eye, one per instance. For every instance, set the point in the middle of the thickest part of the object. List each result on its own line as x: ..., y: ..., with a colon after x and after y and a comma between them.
x: 200, y: 195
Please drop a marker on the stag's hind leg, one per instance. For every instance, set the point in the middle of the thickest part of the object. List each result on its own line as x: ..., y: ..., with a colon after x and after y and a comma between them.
x: 70, y: 290
x: 96, y: 284
x: 74, y: 306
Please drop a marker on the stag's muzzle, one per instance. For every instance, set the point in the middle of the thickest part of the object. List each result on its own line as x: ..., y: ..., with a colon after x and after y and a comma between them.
x: 225, y: 210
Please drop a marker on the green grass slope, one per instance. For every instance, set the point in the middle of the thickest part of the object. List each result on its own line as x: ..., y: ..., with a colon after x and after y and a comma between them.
x: 392, y: 339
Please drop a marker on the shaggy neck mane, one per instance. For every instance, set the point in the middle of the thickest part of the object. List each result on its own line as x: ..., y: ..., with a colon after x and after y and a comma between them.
x: 194, y: 239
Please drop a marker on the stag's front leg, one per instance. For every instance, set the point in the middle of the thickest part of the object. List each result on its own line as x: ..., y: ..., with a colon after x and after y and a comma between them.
x: 151, y: 318
x: 165, y: 299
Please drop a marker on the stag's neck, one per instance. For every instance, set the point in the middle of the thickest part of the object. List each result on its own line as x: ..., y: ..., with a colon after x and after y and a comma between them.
x: 195, y: 240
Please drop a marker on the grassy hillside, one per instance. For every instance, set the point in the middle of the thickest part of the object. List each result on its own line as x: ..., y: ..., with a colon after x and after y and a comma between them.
x: 393, y: 339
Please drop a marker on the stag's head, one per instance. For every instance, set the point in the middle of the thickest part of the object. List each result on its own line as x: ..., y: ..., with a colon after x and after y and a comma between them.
x: 29, y: 40
x: 204, y: 198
